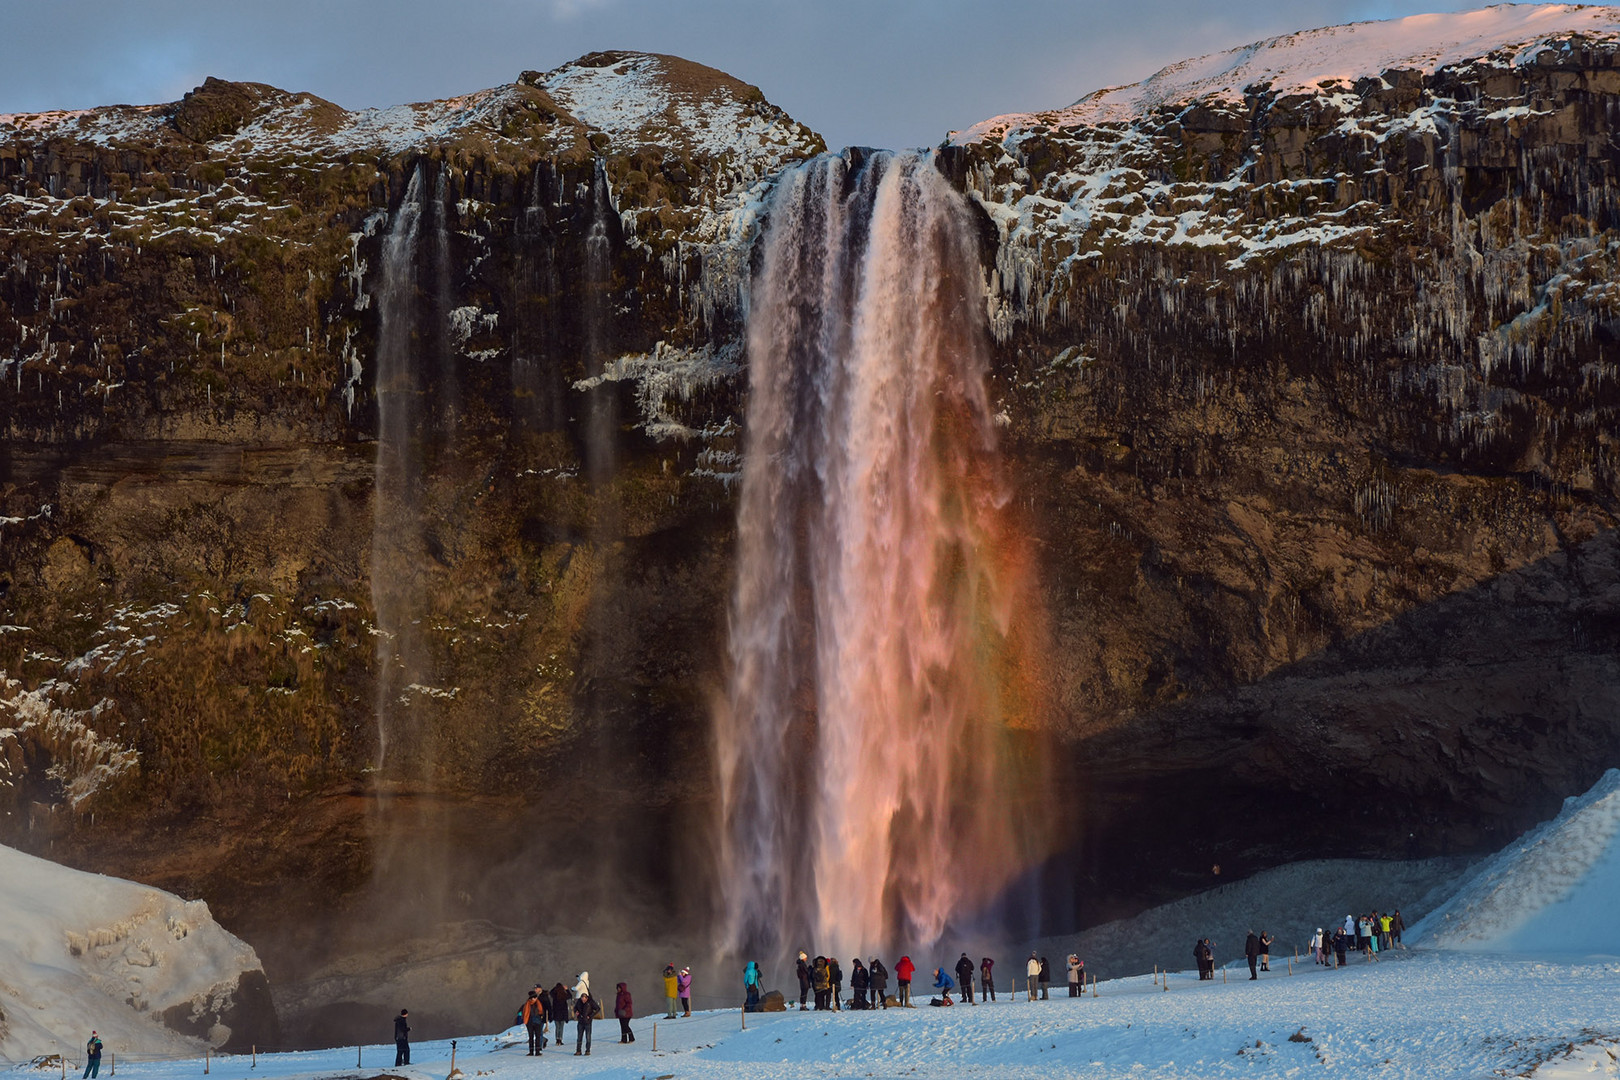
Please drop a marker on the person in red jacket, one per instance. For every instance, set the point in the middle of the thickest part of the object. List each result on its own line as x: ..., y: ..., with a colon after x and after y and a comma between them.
x: 902, y: 974
x: 624, y: 1011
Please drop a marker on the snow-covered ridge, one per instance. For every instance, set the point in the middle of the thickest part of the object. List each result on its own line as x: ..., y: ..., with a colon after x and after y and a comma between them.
x: 1508, y: 34
x: 1551, y: 891
x: 633, y: 98
x: 81, y: 951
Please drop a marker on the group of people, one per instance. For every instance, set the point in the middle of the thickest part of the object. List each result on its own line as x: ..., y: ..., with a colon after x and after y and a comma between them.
x: 822, y: 980
x: 1367, y: 934
x: 553, y: 1008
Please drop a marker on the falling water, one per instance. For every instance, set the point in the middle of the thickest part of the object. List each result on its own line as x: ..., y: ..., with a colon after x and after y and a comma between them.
x: 396, y: 543
x: 881, y: 633
x: 603, y: 415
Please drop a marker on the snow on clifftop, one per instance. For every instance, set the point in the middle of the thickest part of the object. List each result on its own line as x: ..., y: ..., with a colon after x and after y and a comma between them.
x: 1313, y: 59
x: 81, y: 951
x: 633, y: 98
x: 1552, y: 891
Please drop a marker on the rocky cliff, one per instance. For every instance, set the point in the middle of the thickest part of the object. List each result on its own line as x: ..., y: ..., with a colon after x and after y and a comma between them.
x: 1306, y: 354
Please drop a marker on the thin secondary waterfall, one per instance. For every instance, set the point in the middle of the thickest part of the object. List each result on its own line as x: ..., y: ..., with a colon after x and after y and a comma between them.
x: 882, y: 627
x: 396, y: 539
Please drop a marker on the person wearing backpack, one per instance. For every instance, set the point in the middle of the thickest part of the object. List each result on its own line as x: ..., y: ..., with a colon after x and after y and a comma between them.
x: 92, y: 1057
x: 624, y: 1011
x: 987, y: 982
x: 859, y: 983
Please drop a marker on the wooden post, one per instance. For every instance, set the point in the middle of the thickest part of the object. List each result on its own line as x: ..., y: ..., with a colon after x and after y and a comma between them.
x: 655, y: 1036
x: 255, y: 1050
x: 1094, y: 986
x: 112, y: 1062
x: 357, y: 1057
x: 452, y: 1057
x: 745, y: 1017
x: 1155, y: 974
x: 1223, y: 976
x: 208, y: 1058
x: 64, y: 1063
x: 1290, y: 967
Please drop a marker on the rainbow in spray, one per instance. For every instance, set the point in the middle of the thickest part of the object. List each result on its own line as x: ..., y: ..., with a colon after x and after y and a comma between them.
x: 883, y: 631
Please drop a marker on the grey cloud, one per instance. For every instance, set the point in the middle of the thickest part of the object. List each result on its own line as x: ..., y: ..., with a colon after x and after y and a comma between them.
x: 873, y: 72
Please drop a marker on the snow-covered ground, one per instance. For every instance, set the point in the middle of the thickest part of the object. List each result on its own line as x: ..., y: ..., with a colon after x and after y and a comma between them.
x: 82, y: 951
x: 1545, y: 1002
x: 1427, y: 1014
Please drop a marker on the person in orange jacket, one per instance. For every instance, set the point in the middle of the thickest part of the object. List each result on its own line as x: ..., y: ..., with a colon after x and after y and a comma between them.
x: 533, y: 1017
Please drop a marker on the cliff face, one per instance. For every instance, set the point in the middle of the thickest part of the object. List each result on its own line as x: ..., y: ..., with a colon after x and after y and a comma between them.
x: 195, y: 307
x: 1309, y: 349
x: 1308, y: 375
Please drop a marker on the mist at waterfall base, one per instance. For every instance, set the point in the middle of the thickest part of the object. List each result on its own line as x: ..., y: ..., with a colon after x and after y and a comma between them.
x: 878, y: 754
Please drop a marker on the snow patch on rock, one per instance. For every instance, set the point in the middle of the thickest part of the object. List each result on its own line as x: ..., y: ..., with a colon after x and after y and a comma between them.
x: 81, y: 951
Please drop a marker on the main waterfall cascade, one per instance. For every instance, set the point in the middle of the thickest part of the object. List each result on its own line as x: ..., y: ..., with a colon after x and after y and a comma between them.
x: 884, y: 637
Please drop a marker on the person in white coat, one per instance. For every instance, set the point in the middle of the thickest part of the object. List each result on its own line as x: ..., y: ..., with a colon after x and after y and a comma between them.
x: 1034, y: 970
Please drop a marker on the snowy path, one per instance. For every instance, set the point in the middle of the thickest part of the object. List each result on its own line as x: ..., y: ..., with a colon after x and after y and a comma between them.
x: 1420, y: 1015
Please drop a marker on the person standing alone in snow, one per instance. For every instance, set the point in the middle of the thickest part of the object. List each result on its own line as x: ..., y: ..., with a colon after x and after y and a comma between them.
x: 903, y: 972
x: 402, y: 1038
x: 1251, y: 949
x: 624, y: 1011
x: 92, y: 1057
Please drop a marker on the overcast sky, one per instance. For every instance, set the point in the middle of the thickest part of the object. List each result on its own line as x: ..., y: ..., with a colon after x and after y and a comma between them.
x: 871, y: 72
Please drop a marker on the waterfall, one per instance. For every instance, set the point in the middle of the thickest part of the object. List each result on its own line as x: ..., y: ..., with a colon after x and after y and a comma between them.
x: 883, y: 631
x: 396, y: 540
x: 602, y: 420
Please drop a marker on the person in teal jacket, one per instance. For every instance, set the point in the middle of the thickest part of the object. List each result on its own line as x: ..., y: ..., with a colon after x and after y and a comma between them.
x: 751, y: 987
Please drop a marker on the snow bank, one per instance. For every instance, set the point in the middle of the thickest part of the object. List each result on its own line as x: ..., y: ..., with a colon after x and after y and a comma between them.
x: 1552, y: 891
x: 1312, y: 59
x: 81, y: 951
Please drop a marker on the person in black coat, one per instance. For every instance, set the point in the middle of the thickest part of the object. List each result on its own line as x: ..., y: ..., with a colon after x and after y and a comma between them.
x: 1045, y: 978
x: 878, y: 975
x: 835, y: 977
x: 987, y: 979
x: 559, y: 1010
x: 1251, y: 949
x: 859, y: 981
x: 584, y: 1013
x: 804, y: 980
x: 402, y: 1039
x: 964, y: 978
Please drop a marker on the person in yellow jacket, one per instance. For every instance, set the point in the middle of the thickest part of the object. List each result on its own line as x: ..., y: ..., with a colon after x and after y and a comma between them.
x: 670, y: 991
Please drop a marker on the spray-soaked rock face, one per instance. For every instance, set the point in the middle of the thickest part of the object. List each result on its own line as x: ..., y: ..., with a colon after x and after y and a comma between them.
x: 325, y: 425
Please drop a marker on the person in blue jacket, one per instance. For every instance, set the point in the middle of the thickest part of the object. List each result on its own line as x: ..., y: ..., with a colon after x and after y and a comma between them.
x: 942, y: 983
x: 751, y: 986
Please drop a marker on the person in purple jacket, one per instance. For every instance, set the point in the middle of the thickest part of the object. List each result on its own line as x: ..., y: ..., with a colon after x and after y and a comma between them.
x: 683, y: 984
